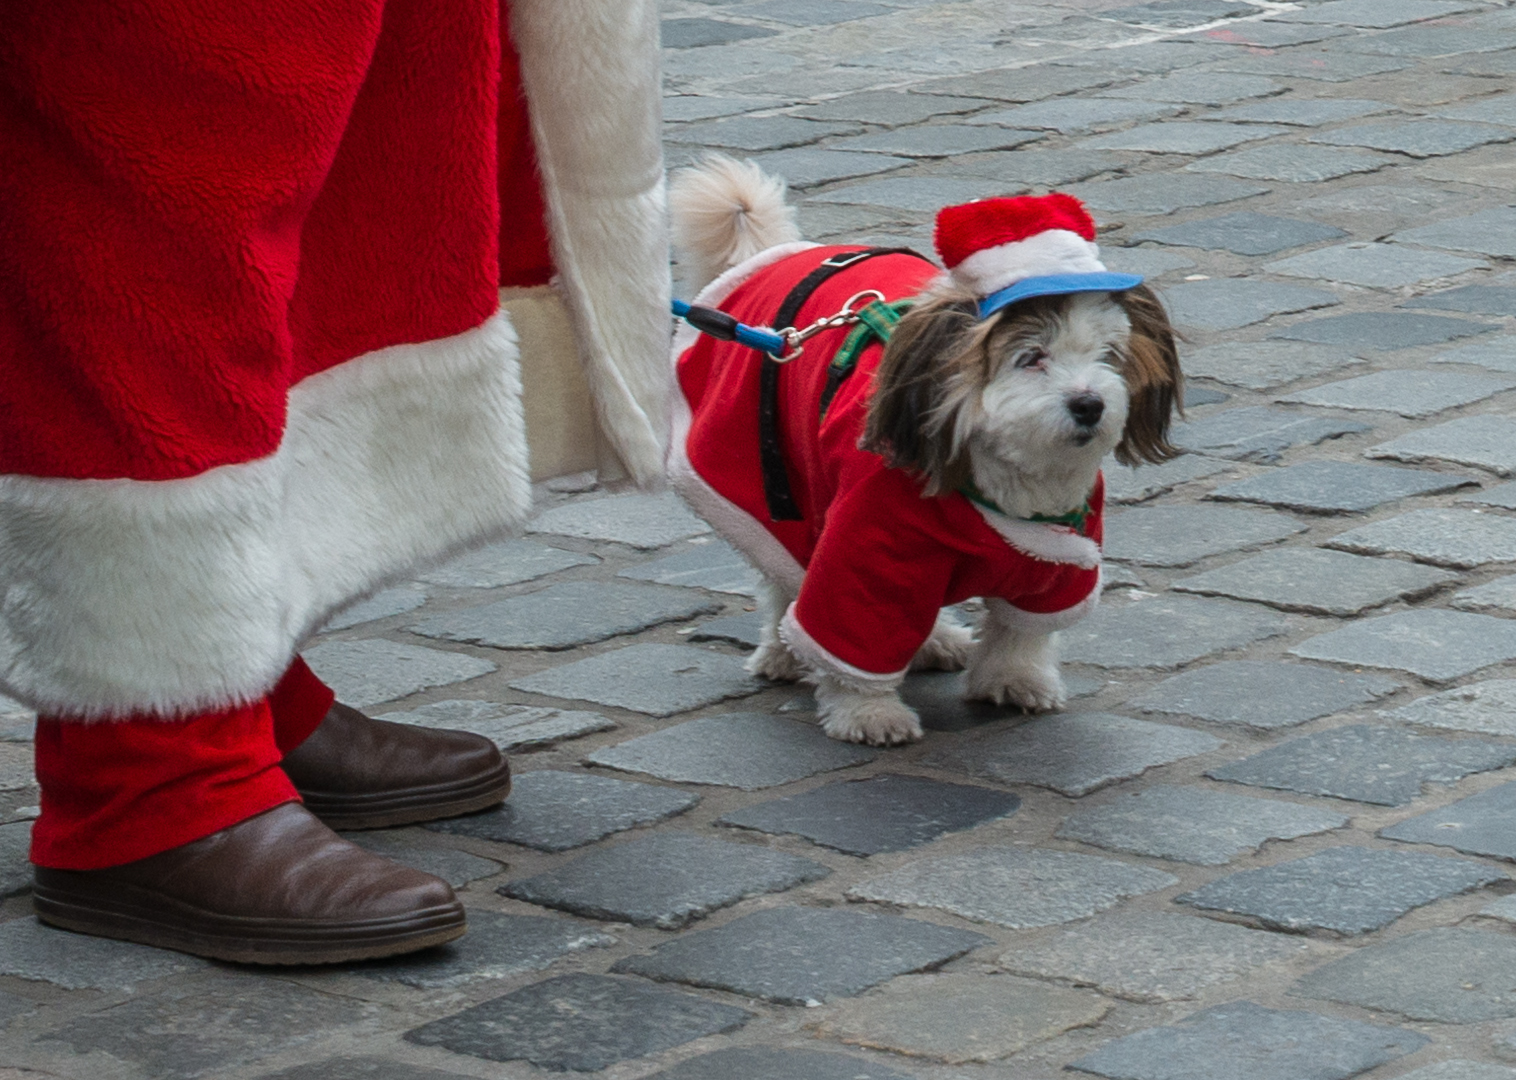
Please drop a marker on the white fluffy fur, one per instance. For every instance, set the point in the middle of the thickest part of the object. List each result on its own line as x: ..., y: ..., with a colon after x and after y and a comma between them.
x: 1056, y: 251
x: 724, y: 213
x: 177, y: 596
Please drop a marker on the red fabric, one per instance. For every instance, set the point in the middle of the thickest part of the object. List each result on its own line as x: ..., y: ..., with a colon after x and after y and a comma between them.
x: 525, y: 257
x: 888, y: 558
x: 299, y: 703
x: 963, y: 230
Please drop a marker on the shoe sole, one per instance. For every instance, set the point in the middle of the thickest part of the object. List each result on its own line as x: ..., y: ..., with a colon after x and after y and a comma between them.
x: 388, y: 809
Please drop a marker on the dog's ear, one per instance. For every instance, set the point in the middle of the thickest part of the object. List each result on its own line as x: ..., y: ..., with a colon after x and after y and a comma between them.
x: 1150, y: 366
x: 917, y: 391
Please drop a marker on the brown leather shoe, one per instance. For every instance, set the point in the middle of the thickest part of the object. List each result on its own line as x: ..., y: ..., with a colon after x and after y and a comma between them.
x: 278, y: 888
x: 355, y: 772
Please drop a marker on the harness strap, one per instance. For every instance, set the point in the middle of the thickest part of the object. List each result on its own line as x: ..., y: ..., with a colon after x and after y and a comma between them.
x: 777, y: 491
x: 876, y: 322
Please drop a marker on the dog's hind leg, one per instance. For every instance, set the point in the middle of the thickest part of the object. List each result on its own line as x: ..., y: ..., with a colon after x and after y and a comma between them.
x: 773, y: 659
x: 1013, y: 665
x: 948, y: 649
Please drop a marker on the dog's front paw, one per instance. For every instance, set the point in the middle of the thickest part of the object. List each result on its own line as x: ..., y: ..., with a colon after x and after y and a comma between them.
x: 875, y: 719
x: 1033, y: 687
x: 948, y: 649
x: 773, y: 660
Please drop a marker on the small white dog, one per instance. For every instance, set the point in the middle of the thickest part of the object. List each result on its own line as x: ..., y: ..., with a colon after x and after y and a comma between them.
x: 946, y: 446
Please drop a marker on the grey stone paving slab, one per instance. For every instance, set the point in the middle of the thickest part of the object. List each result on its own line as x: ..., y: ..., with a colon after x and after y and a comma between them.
x: 799, y: 955
x: 1418, y: 41
x: 759, y: 132
x: 811, y: 12
x: 15, y: 869
x: 1446, y: 974
x: 1442, y: 536
x: 1381, y: 330
x: 806, y: 167
x: 1258, y: 433
x: 938, y: 140
x: 1074, y: 754
x: 892, y: 108
x: 683, y: 108
x: 1376, y: 14
x: 497, y: 946
x: 1126, y: 484
x: 1381, y: 765
x: 509, y: 563
x: 745, y: 630
x: 1193, y: 824
x: 1263, y: 365
x: 767, y: 1063
x: 421, y: 852
x: 1489, y: 66
x: 959, y: 1018
x: 1377, y: 265
x: 1319, y: 582
x: 938, y: 698
x: 1292, y: 162
x: 1489, y: 232
x: 1163, y: 193
x: 1166, y: 631
x: 1178, y: 13
x: 694, y: 33
x: 1183, y: 535
x: 552, y: 810
x: 16, y: 721
x: 1229, y: 303
x: 1414, y: 393
x: 659, y: 680
x: 510, y: 727
x: 382, y: 605
x: 1460, y: 1069
x: 364, y: 673
x: 1497, y: 595
x: 1304, y: 112
x: 667, y: 880
x: 1488, y: 707
x: 1243, y: 1041
x: 1017, y: 887
x: 1151, y: 956
x: 1437, y: 645
x: 1502, y: 495
x: 924, y: 194
x: 1076, y: 115
x: 1482, y: 824
x: 1473, y: 299
x: 1019, y: 84
x: 356, y: 1068
x: 1150, y: 56
x: 567, y: 614
x: 1381, y: 206
x: 1244, y: 232
x: 1183, y: 137
x: 1034, y: 167
x: 1143, y: 261
x: 1500, y: 109
x: 1486, y: 442
x: 639, y: 521
x: 1321, y: 64
x: 742, y: 750
x: 1273, y: 35
x: 1262, y: 694
x: 32, y: 951
x: 1348, y: 890
x: 1337, y: 486
x: 579, y: 1022
x: 882, y: 813
x: 1198, y: 88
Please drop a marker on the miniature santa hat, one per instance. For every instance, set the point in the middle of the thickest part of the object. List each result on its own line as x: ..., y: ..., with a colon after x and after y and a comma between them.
x: 1006, y: 250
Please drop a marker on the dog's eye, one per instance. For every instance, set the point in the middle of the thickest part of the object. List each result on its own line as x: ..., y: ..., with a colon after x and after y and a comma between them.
x: 1030, y: 358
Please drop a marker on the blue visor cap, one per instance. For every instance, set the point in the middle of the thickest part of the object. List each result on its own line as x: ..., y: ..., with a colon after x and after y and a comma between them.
x: 1056, y: 285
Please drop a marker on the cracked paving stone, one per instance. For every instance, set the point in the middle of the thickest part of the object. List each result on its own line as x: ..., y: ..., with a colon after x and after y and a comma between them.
x: 354, y: 1068
x: 1183, y: 535
x: 1437, y: 645
x: 766, y: 1063
x: 800, y: 955
x: 554, y: 811
x: 1489, y: 232
x: 713, y: 565
x: 1497, y: 595
x: 509, y: 563
x: 1384, y: 266
x: 1263, y: 365
x: 1143, y: 261
x: 759, y: 132
x: 1183, y: 137
x: 807, y: 167
x: 15, y: 866
x: 1198, y: 88
x: 1229, y: 303
x: 1446, y: 974
x: 1293, y: 163
x: 1473, y: 299
x: 1381, y: 330
x: 1258, y: 433
x: 1320, y: 64
x: 364, y: 673
x: 881, y: 813
x: 1374, y: 14
x: 1018, y: 84
x: 640, y: 521
x: 1482, y: 824
x: 923, y: 194
x: 1304, y: 112
x: 1347, y: 890
x: 960, y: 1018
x: 696, y: 33
x: 579, y: 1022
x: 1326, y: 487
x: 29, y: 950
x: 1487, y: 707
x: 744, y: 630
x: 938, y: 140
x: 1486, y: 442
x: 497, y: 946
x: 1193, y: 824
x: 416, y: 850
x: 892, y: 108
x: 1073, y: 754
x: 1384, y: 766
x: 1016, y: 887
x: 741, y: 750
x: 569, y: 614
x: 667, y: 880
x: 1244, y: 232
x: 1417, y: 138
x: 396, y: 601
x: 1166, y: 631
x: 1151, y: 956
x: 510, y: 727
x: 1075, y: 115
x: 1262, y: 693
x: 1244, y: 1041
x: 1411, y: 393
x: 1128, y: 484
x: 1034, y: 167
x: 659, y: 680
x: 1442, y: 536
x: 687, y: 107
x: 1502, y: 495
x: 1163, y: 193
x: 1316, y: 581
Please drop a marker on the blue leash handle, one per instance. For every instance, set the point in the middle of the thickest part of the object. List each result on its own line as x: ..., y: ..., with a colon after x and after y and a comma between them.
x: 718, y: 324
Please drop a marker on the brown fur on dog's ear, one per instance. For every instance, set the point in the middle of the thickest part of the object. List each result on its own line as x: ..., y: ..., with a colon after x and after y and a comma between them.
x: 1150, y: 366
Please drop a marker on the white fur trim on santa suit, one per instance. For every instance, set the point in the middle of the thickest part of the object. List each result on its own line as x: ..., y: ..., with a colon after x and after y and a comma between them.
x: 1043, y: 540
x: 1038, y: 622
x: 1056, y: 251
x: 813, y: 653
x: 402, y: 456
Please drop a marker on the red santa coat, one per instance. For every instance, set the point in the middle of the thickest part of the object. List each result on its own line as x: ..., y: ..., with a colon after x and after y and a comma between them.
x: 872, y: 559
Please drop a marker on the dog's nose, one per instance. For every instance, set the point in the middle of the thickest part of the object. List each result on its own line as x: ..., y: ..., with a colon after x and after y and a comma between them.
x: 1086, y: 409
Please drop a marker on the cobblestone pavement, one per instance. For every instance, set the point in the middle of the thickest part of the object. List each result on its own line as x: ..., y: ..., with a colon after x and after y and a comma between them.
x: 1271, y: 837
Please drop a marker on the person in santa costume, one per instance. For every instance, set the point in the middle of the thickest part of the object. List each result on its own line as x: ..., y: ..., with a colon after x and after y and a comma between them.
x: 253, y: 365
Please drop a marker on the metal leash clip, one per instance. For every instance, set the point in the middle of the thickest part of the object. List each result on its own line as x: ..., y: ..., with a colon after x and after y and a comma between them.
x: 794, y: 339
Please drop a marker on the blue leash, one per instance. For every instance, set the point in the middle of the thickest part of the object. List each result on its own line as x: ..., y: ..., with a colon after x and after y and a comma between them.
x: 718, y: 324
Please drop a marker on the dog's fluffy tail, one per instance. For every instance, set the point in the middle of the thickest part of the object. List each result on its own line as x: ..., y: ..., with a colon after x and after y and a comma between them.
x: 723, y: 211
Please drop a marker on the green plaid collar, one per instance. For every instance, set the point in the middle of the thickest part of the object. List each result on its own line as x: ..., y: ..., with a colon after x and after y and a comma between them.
x: 1074, y: 519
